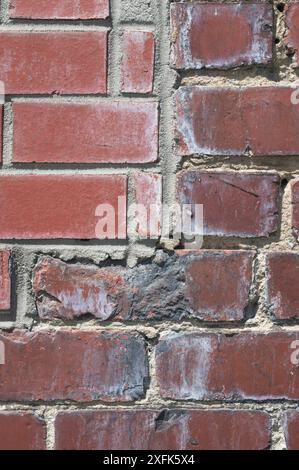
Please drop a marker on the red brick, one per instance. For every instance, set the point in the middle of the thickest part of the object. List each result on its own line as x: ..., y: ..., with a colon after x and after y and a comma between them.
x: 227, y: 367
x: 291, y: 39
x: 5, y: 283
x: 21, y: 431
x: 72, y: 290
x: 148, y: 194
x: 44, y: 132
x: 282, y: 288
x: 48, y: 62
x: 237, y: 121
x: 295, y: 206
x: 218, y: 284
x: 1, y: 124
x: 221, y: 36
x: 55, y: 206
x: 209, y: 285
x: 234, y: 203
x: 291, y: 429
x: 138, y: 62
x: 73, y: 365
x: 60, y: 9
x: 167, y: 430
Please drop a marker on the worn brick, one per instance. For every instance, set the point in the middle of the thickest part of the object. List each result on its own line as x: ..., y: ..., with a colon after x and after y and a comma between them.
x: 291, y: 429
x: 209, y: 285
x: 221, y: 36
x: 108, y: 131
x: 21, y: 431
x: 5, y: 281
x: 166, y: 430
x: 59, y: 9
x: 234, y: 203
x: 51, y: 62
x: 137, y: 62
x: 195, y: 366
x: 291, y: 39
x: 148, y: 197
x: 282, y: 290
x: 55, y: 206
x: 73, y: 365
x: 237, y: 121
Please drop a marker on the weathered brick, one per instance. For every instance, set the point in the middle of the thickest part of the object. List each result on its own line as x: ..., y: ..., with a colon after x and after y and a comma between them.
x: 21, y: 431
x: 108, y: 131
x: 209, y: 285
x: 166, y: 430
x: 148, y: 195
x: 73, y: 365
x: 237, y: 121
x: 138, y: 62
x: 60, y: 9
x: 48, y: 62
x: 55, y: 206
x: 282, y: 289
x: 234, y: 203
x: 294, y: 185
x: 291, y: 39
x: 291, y: 429
x: 221, y: 36
x: 5, y: 282
x: 2, y: 90
x: 227, y: 367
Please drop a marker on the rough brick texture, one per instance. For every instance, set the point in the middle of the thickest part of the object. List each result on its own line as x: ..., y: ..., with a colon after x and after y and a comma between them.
x: 55, y: 206
x: 291, y: 429
x: 138, y: 62
x: 108, y: 131
x: 237, y: 121
x: 169, y: 429
x: 148, y: 197
x: 60, y: 9
x: 196, y: 366
x: 295, y: 206
x: 73, y: 365
x: 221, y: 36
x: 282, y: 288
x: 127, y: 127
x: 211, y: 286
x: 292, y: 22
x: 234, y: 203
x: 5, y: 282
x: 21, y: 431
x: 53, y: 62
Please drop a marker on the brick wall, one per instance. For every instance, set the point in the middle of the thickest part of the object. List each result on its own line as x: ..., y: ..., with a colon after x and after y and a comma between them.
x: 121, y: 329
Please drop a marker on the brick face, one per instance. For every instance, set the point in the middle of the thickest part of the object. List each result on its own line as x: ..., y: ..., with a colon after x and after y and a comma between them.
x: 196, y: 366
x: 138, y: 62
x: 166, y: 430
x: 291, y: 429
x: 234, y: 203
x: 73, y: 365
x: 60, y: 9
x: 208, y: 285
x: 282, y: 292
x: 108, y: 132
x: 53, y: 62
x: 5, y: 282
x: 21, y: 431
x: 221, y: 36
x: 55, y: 207
x: 236, y: 121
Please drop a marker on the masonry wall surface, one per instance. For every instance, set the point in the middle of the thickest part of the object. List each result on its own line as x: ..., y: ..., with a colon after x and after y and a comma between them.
x: 153, y: 101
